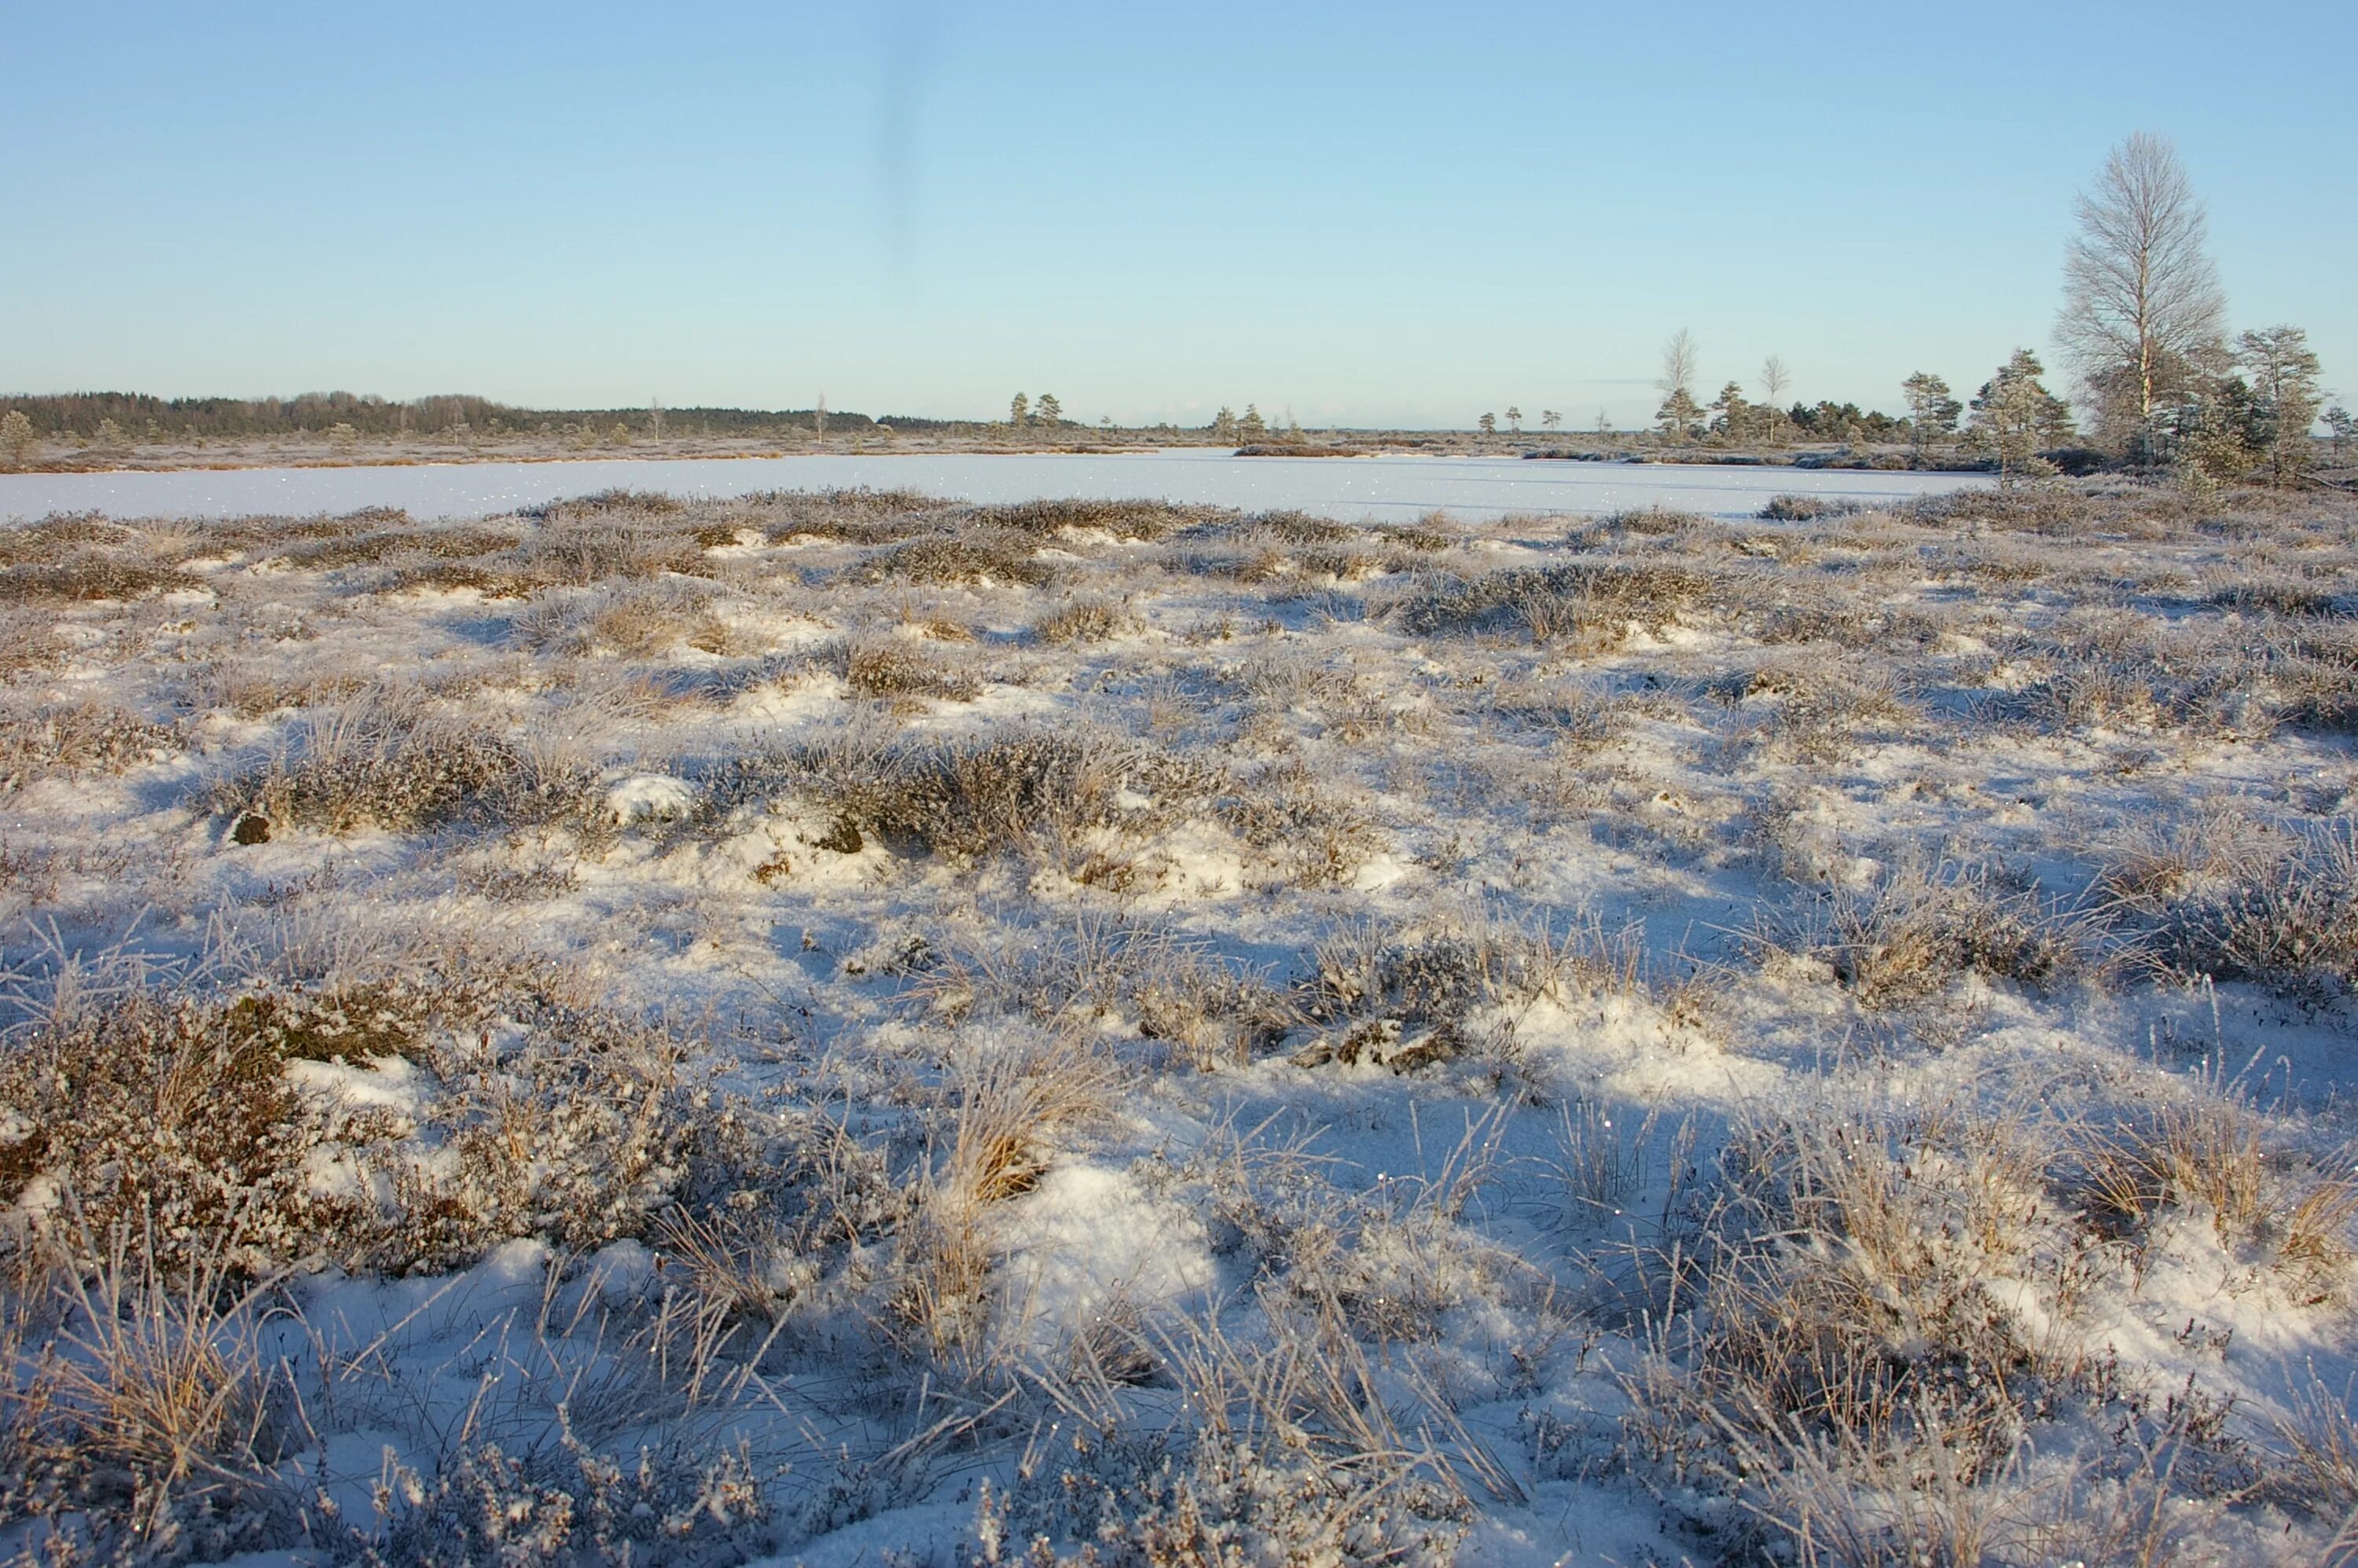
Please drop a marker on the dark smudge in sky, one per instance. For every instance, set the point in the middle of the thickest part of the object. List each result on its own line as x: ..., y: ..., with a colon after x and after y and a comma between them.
x: 899, y: 102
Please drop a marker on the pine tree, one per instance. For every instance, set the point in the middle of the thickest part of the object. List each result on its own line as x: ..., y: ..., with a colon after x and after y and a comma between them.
x: 1515, y: 420
x: 1224, y: 426
x: 1051, y: 412
x: 1736, y: 413
x: 2285, y: 396
x: 1252, y: 427
x: 1489, y: 424
x: 2013, y: 412
x: 17, y: 442
x: 1679, y: 414
x: 1932, y: 411
x: 1019, y: 411
x: 1549, y: 418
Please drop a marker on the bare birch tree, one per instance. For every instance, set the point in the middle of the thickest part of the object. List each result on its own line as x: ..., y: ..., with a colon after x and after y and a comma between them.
x: 2142, y: 307
x: 1774, y: 379
x: 1680, y: 360
x: 1678, y: 411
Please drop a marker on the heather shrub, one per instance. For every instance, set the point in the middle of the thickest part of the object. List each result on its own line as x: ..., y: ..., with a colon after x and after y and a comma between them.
x: 963, y: 798
x: 1310, y: 835
x: 1083, y: 621
x: 1806, y: 509
x: 1591, y: 605
x: 966, y: 561
x: 76, y: 739
x: 92, y: 575
x: 897, y: 669
x: 393, y: 764
x: 408, y: 545
x: 1146, y: 520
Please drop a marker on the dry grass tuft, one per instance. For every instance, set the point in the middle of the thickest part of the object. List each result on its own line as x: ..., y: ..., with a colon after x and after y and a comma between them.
x: 2233, y: 899
x: 1903, y: 939
x: 1013, y: 1102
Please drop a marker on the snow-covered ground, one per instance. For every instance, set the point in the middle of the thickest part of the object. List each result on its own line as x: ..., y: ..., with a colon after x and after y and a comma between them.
x: 1395, y: 488
x: 864, y: 1029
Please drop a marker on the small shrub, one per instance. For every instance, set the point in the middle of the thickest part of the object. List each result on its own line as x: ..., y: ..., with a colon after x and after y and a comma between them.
x: 894, y: 668
x: 1806, y: 509
x: 1656, y: 522
x: 959, y: 560
x: 1592, y: 605
x: 52, y: 539
x: 1821, y: 709
x: 163, y: 1117
x: 2282, y: 596
x: 604, y: 505
x: 91, y: 574
x: 964, y: 797
x: 1422, y: 537
x: 1904, y: 938
x: 393, y: 765
x: 78, y: 739
x: 2277, y: 906
x: 1082, y: 621
x: 2128, y: 673
x: 1314, y: 837
x: 566, y: 1503
x: 1293, y: 528
x: 1434, y: 977
x: 405, y: 544
x: 1123, y: 519
x: 628, y: 621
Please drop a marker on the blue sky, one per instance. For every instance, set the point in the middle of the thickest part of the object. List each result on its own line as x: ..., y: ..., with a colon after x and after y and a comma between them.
x: 1371, y: 213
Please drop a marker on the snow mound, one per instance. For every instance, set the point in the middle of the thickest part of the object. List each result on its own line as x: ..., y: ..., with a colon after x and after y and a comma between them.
x: 649, y: 797
x: 1087, y: 1243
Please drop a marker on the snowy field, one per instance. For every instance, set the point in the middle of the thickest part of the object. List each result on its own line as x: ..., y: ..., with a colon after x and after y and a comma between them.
x: 1387, y: 489
x: 859, y: 1030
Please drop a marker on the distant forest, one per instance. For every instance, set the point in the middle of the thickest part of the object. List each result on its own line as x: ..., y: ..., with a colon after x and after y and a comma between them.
x: 314, y: 412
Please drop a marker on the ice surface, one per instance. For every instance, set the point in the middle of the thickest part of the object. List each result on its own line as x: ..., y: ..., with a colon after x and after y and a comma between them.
x: 1385, y: 488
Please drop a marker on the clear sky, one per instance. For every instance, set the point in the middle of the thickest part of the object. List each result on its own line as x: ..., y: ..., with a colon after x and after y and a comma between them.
x: 1368, y: 213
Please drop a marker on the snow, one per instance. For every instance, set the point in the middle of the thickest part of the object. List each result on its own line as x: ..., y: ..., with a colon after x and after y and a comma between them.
x: 1468, y: 1205
x: 1089, y: 1247
x: 649, y: 797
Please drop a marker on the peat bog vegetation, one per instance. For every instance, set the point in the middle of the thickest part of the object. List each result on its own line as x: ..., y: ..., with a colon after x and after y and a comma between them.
x: 849, y: 1028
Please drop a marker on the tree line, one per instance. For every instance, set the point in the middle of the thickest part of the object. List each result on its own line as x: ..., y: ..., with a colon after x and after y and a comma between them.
x: 133, y: 416
x: 2144, y: 327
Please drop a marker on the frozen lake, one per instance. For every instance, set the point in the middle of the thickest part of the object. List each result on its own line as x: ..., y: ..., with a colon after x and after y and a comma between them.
x: 1348, y: 489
